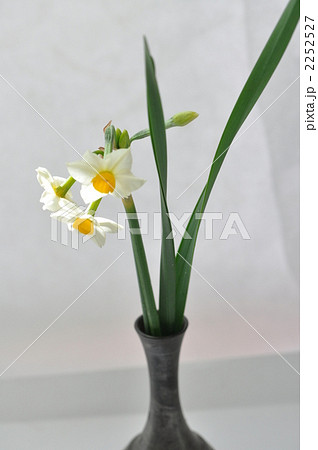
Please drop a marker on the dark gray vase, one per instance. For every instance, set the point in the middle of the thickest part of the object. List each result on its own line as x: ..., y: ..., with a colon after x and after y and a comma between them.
x: 166, y: 428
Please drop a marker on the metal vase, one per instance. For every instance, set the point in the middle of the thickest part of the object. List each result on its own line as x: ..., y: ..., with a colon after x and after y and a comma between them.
x: 166, y: 428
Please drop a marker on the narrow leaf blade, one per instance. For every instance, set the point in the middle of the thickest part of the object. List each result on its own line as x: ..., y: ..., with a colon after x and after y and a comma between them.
x: 253, y: 88
x: 150, y: 313
x: 167, y: 305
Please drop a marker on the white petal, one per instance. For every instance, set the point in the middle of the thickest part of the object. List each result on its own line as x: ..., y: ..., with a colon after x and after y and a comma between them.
x: 86, y: 169
x: 89, y: 193
x: 58, y: 181
x: 81, y: 171
x: 69, y: 195
x: 99, y: 236
x: 51, y: 203
x: 108, y: 225
x: 46, y: 197
x: 118, y: 160
x: 93, y: 160
x: 45, y: 178
x: 126, y: 183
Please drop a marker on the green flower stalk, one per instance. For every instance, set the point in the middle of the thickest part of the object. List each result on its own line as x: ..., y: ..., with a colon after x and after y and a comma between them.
x: 62, y: 190
x: 93, y: 207
x: 178, y: 120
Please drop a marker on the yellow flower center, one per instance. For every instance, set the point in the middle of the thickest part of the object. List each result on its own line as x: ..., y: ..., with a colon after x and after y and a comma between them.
x: 104, y: 182
x: 84, y: 226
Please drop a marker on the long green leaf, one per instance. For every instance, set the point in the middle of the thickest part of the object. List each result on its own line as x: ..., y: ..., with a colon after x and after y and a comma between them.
x: 150, y: 313
x: 258, y: 79
x: 167, y: 303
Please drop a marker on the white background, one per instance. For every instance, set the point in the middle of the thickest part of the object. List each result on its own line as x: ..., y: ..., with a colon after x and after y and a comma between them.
x: 80, y: 64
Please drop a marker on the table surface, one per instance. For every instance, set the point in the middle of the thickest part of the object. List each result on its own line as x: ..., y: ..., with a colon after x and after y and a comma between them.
x: 235, y: 404
x: 264, y: 427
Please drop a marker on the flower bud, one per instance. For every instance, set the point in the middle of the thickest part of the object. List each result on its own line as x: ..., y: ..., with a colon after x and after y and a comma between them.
x: 183, y: 118
x: 117, y: 136
x: 124, y: 140
x: 109, y: 139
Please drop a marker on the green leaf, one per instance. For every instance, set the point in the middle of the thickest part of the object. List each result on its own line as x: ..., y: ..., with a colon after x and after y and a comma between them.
x: 254, y: 86
x: 167, y: 305
x: 150, y: 313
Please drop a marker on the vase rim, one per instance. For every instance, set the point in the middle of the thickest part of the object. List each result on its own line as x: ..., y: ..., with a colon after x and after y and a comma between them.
x: 138, y: 329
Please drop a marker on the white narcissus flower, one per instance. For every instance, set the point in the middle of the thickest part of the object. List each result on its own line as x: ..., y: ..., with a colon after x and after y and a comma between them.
x: 49, y: 198
x: 85, y: 223
x: 103, y: 176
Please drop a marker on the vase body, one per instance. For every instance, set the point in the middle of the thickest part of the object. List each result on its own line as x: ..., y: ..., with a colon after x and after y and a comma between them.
x: 166, y: 428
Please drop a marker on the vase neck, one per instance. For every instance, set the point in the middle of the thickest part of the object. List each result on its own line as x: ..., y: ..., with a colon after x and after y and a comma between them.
x: 163, y: 362
x: 162, y: 355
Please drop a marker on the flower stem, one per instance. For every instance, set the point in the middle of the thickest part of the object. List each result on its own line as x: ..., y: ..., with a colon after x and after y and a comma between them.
x: 150, y: 313
x: 146, y: 132
x: 178, y: 120
x: 140, y: 135
x: 64, y: 188
x: 93, y: 207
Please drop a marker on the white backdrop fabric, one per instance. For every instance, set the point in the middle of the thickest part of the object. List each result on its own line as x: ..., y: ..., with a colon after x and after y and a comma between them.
x: 80, y: 64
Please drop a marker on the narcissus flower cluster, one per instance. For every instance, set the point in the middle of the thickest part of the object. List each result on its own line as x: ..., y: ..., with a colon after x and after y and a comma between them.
x: 106, y: 171
x: 101, y: 173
